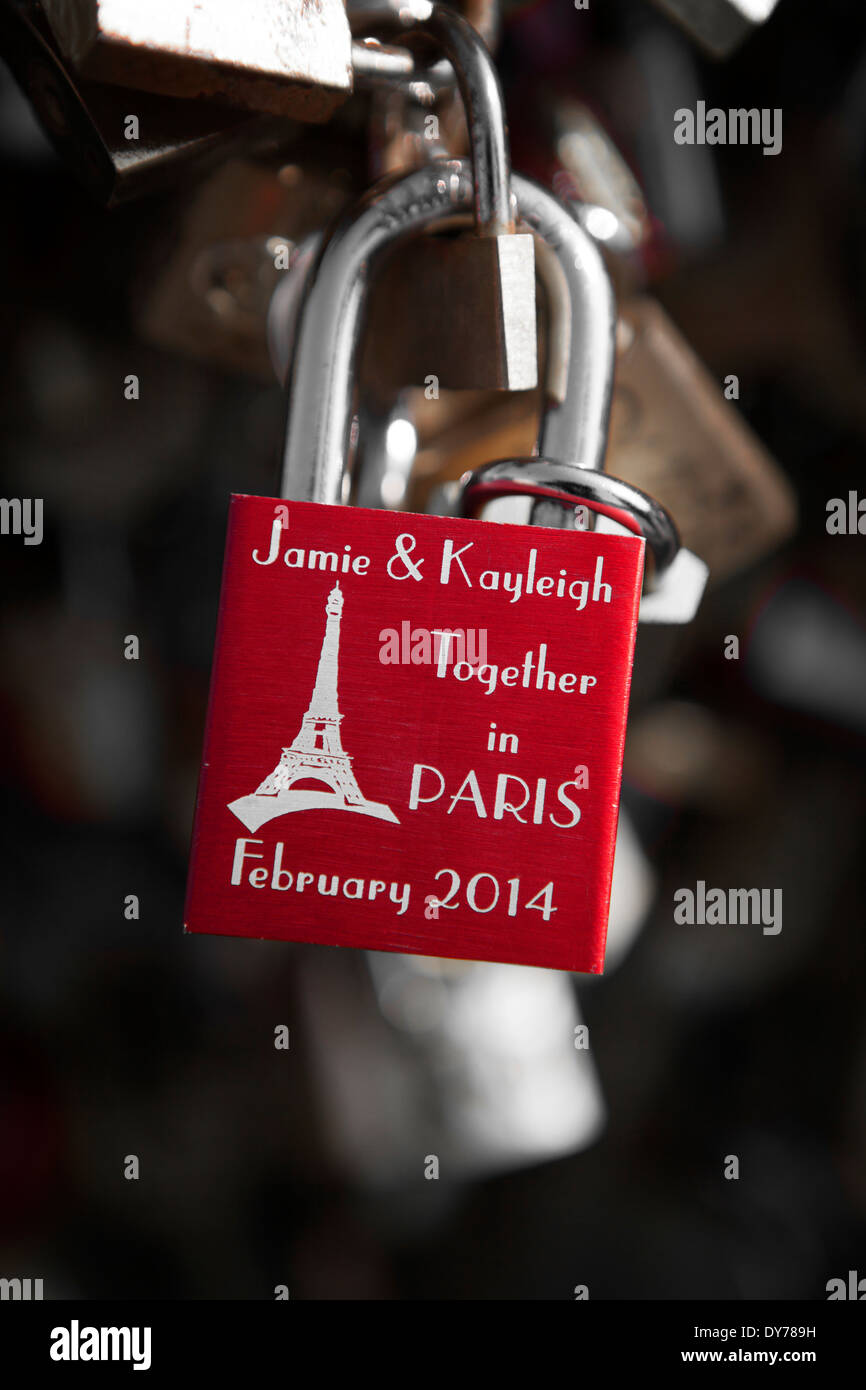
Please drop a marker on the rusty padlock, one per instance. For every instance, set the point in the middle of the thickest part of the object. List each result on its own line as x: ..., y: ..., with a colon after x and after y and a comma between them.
x: 88, y: 122
x: 285, y: 57
x: 672, y: 434
x: 204, y: 288
x: 474, y: 294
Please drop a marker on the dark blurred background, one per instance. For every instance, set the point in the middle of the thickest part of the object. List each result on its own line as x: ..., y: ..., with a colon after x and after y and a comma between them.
x: 120, y: 1036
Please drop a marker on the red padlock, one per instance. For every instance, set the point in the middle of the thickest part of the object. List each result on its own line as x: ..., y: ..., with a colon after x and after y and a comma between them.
x: 416, y: 723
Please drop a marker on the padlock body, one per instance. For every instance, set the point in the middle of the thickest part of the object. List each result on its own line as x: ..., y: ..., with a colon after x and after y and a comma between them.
x: 371, y: 781
x: 474, y: 297
x: 287, y: 58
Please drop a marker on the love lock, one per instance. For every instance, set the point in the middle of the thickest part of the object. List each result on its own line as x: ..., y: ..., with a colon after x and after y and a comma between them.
x: 579, y: 377
x: 437, y: 703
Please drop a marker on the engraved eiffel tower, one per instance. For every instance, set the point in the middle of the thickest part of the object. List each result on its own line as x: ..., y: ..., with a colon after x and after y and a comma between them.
x: 316, y: 753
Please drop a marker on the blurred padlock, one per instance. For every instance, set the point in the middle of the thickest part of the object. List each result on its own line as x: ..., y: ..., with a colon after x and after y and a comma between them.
x: 675, y: 435
x: 481, y: 1065
x: 799, y: 231
x: 207, y: 293
x: 286, y: 57
x: 87, y: 122
x: 487, y: 1066
x: 672, y: 434
x: 591, y: 171
x: 474, y: 294
x: 719, y: 26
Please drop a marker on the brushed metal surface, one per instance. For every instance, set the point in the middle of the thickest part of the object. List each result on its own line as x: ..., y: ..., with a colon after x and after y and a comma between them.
x: 580, y: 367
x: 286, y: 57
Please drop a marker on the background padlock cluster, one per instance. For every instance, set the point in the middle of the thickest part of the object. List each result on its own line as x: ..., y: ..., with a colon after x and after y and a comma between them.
x: 307, y: 1165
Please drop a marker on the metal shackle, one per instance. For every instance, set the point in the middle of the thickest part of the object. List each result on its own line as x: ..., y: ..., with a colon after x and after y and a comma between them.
x: 375, y: 66
x: 478, y: 83
x: 542, y: 480
x: 581, y: 349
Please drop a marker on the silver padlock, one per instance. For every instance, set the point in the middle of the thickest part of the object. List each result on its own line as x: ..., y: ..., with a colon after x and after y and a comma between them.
x: 573, y: 433
x: 330, y: 318
x: 465, y: 1013
x: 462, y: 1052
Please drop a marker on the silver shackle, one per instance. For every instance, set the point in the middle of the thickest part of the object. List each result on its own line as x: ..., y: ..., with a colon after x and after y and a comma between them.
x: 478, y: 84
x: 580, y: 368
x: 375, y: 66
